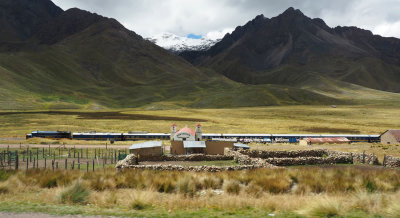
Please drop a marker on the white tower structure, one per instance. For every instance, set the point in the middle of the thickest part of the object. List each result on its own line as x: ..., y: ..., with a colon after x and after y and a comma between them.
x: 199, y: 133
x: 173, y: 131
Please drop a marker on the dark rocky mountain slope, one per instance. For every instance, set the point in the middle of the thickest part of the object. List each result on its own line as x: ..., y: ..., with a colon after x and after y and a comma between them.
x: 291, y: 49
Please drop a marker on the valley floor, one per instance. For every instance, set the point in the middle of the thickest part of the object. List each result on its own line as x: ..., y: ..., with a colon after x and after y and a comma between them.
x: 276, y: 119
x: 306, y: 191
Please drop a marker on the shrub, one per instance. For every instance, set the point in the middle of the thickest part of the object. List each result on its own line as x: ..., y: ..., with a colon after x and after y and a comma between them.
x: 186, y: 186
x: 3, y: 188
x: 324, y: 208
x: 5, y: 174
x: 76, y: 194
x: 138, y: 204
x: 232, y: 187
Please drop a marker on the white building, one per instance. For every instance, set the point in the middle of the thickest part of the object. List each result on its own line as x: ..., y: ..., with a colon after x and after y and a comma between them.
x: 186, y: 134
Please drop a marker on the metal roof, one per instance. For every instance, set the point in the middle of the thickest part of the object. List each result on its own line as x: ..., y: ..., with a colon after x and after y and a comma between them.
x: 240, y: 145
x: 151, y: 144
x: 194, y: 144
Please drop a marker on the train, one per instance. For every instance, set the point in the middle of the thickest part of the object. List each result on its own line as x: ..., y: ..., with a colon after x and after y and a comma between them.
x: 136, y: 136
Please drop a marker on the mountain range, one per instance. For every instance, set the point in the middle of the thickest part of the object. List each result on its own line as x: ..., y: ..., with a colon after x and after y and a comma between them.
x: 178, y: 44
x: 51, y: 58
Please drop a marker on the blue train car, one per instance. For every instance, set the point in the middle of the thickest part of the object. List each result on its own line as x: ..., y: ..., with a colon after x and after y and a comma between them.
x: 98, y: 136
x: 50, y: 135
x: 145, y: 136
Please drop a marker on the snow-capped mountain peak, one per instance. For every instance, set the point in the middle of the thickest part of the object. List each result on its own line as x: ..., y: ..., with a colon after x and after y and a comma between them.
x: 179, y: 44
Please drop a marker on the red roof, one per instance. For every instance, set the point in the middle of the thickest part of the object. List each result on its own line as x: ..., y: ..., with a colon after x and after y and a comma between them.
x: 327, y: 140
x: 198, y: 124
x: 173, y: 124
x: 395, y: 133
x: 187, y: 130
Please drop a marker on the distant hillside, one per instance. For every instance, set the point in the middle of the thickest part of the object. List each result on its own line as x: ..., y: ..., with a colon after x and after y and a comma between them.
x: 50, y: 58
x: 291, y: 48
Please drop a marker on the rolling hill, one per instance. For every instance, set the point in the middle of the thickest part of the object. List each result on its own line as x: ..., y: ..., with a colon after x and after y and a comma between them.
x: 50, y: 58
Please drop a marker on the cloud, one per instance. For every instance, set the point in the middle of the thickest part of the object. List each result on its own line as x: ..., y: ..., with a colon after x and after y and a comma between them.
x: 210, y: 17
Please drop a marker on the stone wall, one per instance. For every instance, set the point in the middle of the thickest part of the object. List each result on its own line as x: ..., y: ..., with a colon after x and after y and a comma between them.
x: 129, y: 160
x: 285, y: 154
x: 192, y: 168
x: 190, y: 157
x: 391, y: 161
x: 260, y: 159
x: 357, y: 157
x: 342, y: 159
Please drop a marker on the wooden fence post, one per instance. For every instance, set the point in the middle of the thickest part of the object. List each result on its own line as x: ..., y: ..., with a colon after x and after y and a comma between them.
x: 16, y: 160
x: 364, y: 156
x: 66, y: 164
x: 93, y: 165
x: 73, y: 164
x: 45, y: 162
x: 87, y: 166
x: 384, y: 160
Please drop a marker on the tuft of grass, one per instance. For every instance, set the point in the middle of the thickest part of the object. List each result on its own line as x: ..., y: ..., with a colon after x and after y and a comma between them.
x: 186, y: 186
x: 232, y: 187
x: 140, y: 201
x: 76, y: 194
x: 323, y: 208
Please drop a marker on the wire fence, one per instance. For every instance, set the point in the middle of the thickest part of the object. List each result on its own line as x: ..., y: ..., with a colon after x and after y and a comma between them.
x: 60, y: 157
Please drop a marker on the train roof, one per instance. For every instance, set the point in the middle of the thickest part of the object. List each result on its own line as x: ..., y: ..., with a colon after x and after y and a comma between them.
x: 247, y: 135
x: 148, y: 134
x: 49, y: 132
x: 95, y: 133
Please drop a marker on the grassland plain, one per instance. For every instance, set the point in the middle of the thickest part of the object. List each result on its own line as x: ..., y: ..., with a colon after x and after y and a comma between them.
x: 274, y: 119
x: 293, y: 192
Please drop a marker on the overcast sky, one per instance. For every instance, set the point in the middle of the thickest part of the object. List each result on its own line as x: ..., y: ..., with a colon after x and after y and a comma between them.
x: 215, y: 17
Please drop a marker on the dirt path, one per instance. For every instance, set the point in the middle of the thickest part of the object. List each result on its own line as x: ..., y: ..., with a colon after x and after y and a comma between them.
x: 41, y: 215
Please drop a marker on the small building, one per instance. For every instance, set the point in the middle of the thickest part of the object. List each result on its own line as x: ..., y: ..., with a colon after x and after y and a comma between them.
x: 186, y: 133
x: 390, y: 137
x: 147, y: 149
x: 194, y: 147
x: 310, y: 141
x: 237, y: 146
x: 217, y: 147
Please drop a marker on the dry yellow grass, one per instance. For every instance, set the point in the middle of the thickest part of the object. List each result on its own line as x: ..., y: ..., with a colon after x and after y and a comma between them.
x: 323, y: 192
x: 277, y: 119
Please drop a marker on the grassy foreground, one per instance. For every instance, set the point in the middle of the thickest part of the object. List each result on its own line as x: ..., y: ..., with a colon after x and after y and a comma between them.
x: 297, y: 192
x: 279, y: 119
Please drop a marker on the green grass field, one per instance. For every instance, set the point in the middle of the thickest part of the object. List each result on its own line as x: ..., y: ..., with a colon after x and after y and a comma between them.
x: 274, y: 119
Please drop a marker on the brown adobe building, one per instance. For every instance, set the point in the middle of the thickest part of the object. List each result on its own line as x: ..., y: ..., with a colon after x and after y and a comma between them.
x: 391, y: 137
